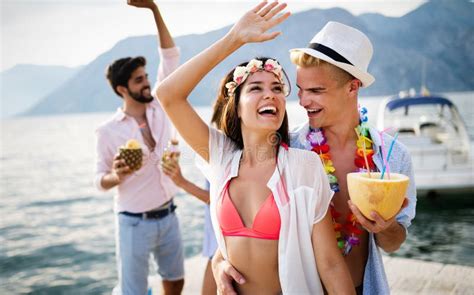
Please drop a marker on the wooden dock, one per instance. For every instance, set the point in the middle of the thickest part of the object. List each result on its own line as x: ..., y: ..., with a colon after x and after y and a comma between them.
x: 409, y: 276
x: 405, y: 276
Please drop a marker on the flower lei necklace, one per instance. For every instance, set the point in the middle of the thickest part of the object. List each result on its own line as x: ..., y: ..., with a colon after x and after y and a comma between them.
x: 363, y: 160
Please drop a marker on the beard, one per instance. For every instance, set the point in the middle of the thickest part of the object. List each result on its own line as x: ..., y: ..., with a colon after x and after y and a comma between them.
x: 140, y: 97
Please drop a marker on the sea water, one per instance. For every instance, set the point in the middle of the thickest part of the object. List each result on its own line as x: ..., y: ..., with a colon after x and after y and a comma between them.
x: 57, y: 230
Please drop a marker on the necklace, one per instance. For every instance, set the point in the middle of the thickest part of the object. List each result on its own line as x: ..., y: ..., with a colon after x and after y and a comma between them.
x: 146, y: 134
x: 142, y: 126
x: 363, y: 160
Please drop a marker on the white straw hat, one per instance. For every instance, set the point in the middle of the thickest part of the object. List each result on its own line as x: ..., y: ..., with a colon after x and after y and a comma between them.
x: 345, y: 47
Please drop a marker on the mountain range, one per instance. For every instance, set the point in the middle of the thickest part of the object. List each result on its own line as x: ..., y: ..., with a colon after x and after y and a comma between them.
x: 24, y: 85
x: 437, y: 37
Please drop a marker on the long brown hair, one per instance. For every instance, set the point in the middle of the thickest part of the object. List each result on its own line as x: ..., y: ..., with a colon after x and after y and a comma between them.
x: 229, y: 121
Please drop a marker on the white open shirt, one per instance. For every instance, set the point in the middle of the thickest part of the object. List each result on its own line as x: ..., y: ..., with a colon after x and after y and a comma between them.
x: 301, y: 191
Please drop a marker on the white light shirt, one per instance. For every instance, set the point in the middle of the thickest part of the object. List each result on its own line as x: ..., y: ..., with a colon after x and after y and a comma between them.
x: 301, y: 191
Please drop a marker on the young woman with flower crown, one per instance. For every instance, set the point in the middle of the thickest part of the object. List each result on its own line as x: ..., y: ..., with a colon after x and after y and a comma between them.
x: 269, y: 203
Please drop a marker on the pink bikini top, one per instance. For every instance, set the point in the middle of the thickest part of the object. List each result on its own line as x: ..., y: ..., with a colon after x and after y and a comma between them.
x: 266, y: 224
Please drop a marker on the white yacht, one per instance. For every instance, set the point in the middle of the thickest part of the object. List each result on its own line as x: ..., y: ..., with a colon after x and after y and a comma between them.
x: 436, y: 136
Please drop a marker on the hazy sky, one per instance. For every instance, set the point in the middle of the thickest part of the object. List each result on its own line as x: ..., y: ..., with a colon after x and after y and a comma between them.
x: 74, y: 32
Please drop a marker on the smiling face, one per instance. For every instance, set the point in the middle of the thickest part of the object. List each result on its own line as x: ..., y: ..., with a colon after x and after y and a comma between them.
x: 262, y: 103
x: 139, y: 86
x: 327, y: 99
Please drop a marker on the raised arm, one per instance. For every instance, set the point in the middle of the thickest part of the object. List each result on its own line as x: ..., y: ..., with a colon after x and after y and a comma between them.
x: 164, y: 36
x: 169, y: 54
x: 174, y: 90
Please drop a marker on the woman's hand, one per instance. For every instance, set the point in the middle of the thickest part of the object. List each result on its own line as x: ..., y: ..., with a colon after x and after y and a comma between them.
x: 253, y: 26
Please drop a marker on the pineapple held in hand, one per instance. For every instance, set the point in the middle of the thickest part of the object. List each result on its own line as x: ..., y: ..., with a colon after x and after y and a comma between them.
x: 132, y: 144
x: 132, y: 154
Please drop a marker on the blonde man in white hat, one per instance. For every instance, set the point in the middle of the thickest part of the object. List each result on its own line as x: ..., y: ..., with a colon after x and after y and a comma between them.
x: 330, y: 72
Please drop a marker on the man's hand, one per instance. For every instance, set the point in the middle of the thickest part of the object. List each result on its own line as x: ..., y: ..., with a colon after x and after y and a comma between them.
x: 142, y: 3
x: 379, y: 224
x: 389, y: 234
x: 119, y: 169
x: 224, y: 274
x: 171, y: 168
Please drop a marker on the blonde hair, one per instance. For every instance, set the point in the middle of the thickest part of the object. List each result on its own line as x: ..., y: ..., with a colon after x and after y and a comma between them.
x: 305, y: 60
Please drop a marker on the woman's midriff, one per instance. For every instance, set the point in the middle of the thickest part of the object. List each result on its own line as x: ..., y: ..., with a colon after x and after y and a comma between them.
x: 257, y: 261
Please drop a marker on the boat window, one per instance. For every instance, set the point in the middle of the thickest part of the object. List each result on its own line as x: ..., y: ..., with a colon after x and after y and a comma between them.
x: 428, y: 125
x: 406, y: 130
x: 421, y: 120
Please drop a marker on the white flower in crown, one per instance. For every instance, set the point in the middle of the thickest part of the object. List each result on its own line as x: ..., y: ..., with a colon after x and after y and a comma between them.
x: 240, y: 74
x: 272, y: 65
x: 231, y: 87
x: 254, y: 65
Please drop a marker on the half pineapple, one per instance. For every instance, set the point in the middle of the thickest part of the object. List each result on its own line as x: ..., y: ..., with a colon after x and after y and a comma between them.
x: 132, y: 154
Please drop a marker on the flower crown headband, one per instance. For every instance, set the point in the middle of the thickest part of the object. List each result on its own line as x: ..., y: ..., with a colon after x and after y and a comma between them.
x: 242, y: 73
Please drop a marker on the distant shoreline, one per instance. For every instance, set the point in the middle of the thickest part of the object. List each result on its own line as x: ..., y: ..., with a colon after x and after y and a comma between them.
x: 199, y: 106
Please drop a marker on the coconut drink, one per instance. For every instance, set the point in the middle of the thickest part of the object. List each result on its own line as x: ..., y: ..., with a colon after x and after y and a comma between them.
x: 132, y: 154
x: 371, y: 193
